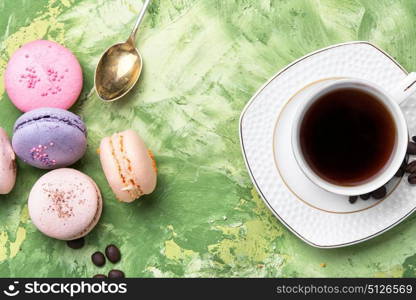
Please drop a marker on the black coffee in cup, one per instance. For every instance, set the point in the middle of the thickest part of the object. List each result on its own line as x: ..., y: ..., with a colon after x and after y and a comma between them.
x: 347, y: 136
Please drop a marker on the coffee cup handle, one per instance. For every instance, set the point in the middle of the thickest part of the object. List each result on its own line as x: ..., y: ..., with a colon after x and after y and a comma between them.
x: 406, y: 88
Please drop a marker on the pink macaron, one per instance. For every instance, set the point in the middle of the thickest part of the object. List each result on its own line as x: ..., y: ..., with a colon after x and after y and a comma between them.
x: 43, y: 74
x: 65, y: 204
x: 7, y: 164
x: 128, y: 165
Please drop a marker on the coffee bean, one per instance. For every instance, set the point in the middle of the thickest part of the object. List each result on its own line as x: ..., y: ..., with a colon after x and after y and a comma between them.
x: 399, y: 173
x: 379, y: 193
x: 411, y: 148
x: 98, y: 259
x: 412, y: 178
x: 411, y: 167
x: 76, y: 244
x: 99, y: 276
x: 414, y: 138
x: 353, y: 199
x: 116, y: 274
x: 112, y: 253
x: 365, y: 196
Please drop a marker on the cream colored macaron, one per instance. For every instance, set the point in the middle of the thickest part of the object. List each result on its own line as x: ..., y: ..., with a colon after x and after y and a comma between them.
x: 65, y: 204
x: 128, y: 165
x: 7, y: 164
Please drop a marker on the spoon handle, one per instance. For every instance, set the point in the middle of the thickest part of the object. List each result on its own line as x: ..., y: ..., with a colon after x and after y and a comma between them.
x: 132, y: 36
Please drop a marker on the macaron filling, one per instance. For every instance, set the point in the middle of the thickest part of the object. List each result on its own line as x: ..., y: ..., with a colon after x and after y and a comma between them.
x: 51, y: 118
x: 124, y: 166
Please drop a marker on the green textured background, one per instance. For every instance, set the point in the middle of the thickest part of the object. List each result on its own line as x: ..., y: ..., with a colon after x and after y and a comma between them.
x: 203, y: 60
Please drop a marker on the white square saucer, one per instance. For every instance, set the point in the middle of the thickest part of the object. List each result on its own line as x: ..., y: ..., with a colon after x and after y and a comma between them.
x: 319, y: 218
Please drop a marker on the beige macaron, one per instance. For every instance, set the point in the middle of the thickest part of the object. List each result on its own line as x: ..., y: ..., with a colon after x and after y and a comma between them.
x: 128, y: 165
x: 65, y: 204
x: 7, y: 164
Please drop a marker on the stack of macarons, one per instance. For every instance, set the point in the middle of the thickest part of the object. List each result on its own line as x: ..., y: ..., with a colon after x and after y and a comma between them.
x: 43, y: 79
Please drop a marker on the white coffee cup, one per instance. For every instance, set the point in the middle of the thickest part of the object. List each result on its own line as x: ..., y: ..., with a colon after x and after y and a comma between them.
x: 391, y: 100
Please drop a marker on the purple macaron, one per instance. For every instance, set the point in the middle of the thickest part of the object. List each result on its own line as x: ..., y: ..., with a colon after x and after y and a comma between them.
x: 49, y: 138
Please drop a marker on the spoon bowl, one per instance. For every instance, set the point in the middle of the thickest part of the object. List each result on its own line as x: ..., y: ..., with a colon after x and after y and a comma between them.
x: 120, y: 66
x: 117, y: 71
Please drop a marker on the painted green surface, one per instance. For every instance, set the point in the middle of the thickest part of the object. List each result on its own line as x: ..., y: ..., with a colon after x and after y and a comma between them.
x: 203, y: 61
